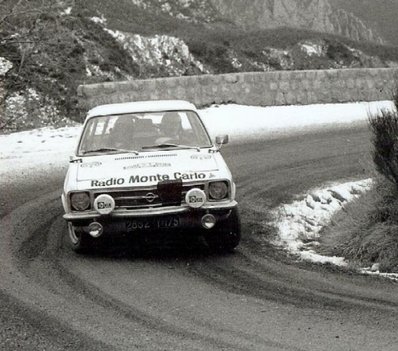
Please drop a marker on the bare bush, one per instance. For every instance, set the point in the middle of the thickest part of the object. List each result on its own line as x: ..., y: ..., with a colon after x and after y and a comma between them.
x: 384, y: 127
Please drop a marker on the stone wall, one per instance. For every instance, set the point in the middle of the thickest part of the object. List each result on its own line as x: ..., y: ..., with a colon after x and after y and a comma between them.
x: 256, y: 88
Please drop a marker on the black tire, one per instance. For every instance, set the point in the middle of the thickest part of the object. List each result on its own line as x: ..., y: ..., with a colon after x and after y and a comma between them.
x: 226, y: 235
x: 79, y: 241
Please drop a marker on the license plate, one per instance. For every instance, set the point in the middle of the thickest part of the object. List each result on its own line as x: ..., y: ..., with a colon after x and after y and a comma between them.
x: 158, y: 223
x: 168, y: 222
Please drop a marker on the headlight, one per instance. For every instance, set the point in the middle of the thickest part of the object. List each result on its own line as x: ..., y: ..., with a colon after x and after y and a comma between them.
x: 80, y: 201
x: 218, y: 190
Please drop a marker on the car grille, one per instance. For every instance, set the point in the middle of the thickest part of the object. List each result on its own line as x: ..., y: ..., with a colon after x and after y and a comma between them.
x: 142, y: 198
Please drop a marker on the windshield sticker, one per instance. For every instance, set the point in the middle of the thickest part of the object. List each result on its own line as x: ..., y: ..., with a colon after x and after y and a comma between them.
x: 201, y: 157
x: 134, y: 179
x: 90, y: 164
x: 148, y: 165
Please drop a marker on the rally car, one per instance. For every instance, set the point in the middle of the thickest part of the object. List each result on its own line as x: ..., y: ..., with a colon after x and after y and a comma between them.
x: 149, y: 167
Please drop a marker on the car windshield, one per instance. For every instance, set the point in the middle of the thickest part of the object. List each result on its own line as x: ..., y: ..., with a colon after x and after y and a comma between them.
x: 136, y: 132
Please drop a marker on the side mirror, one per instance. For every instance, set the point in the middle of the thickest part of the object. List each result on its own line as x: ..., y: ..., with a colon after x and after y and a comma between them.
x: 73, y: 159
x: 222, y: 139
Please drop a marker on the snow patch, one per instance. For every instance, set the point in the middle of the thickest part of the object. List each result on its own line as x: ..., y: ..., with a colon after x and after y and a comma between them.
x: 67, y: 11
x: 99, y: 20
x: 158, y: 50
x: 236, y: 63
x: 312, y: 49
x: 28, y: 108
x: 300, y: 222
x: 154, y: 52
x: 369, y: 271
x: 5, y: 66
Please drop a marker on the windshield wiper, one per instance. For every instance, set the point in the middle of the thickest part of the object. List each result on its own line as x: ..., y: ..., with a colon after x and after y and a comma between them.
x: 109, y: 149
x: 166, y: 145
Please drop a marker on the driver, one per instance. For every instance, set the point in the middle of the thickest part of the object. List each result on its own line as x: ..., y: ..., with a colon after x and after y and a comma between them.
x: 122, y: 133
x: 170, y: 128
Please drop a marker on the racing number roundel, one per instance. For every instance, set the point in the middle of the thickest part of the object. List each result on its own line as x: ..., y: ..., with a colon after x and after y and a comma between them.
x: 104, y: 204
x: 195, y: 198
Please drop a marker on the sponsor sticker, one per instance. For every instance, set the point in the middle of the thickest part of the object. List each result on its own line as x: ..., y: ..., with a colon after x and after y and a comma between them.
x: 148, y: 165
x: 195, y: 198
x: 137, y: 179
x: 104, y: 204
x: 91, y: 164
x: 201, y: 157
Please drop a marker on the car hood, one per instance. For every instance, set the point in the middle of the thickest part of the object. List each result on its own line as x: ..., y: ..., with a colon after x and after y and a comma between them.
x: 147, y: 168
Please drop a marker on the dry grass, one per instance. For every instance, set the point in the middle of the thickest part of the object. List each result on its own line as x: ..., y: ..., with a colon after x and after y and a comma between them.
x: 367, y: 230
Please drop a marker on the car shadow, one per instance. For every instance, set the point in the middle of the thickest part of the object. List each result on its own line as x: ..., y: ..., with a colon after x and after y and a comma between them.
x: 159, y: 249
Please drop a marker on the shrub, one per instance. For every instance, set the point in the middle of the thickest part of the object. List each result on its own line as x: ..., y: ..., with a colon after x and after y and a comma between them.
x: 366, y: 231
x: 384, y: 127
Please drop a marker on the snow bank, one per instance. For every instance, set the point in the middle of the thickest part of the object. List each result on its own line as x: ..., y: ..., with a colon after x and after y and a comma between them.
x: 36, y: 150
x: 370, y: 271
x: 242, y: 122
x: 299, y: 223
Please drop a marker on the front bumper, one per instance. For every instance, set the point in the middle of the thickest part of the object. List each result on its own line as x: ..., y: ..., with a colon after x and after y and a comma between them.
x: 189, y: 221
x: 149, y: 212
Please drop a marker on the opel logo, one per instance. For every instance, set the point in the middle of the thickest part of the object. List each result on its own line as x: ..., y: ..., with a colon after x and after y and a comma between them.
x: 150, y: 197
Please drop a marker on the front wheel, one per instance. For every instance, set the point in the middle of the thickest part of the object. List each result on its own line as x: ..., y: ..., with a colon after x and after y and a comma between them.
x: 79, y: 241
x: 226, y: 235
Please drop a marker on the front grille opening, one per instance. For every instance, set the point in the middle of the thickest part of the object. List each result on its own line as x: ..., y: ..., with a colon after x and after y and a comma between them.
x: 144, y: 198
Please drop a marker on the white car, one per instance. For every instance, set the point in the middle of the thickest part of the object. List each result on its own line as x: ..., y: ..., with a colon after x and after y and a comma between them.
x: 149, y: 166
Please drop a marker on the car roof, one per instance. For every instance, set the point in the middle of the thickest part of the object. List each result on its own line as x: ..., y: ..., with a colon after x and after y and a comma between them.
x: 140, y: 106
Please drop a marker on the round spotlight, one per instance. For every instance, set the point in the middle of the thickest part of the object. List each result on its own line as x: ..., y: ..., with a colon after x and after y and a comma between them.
x: 95, y: 229
x: 195, y: 198
x: 208, y: 221
x: 104, y: 204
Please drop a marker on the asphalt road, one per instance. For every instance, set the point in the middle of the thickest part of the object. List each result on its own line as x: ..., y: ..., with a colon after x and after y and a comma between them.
x: 180, y: 296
